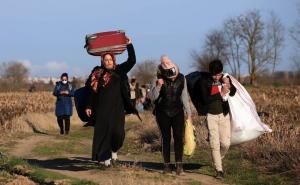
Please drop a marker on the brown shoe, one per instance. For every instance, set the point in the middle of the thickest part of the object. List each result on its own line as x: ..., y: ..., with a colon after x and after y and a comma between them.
x: 220, y: 175
x: 167, y: 169
x: 179, y: 168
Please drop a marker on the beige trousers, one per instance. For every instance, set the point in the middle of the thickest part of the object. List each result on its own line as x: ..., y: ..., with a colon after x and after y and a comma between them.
x: 219, y: 137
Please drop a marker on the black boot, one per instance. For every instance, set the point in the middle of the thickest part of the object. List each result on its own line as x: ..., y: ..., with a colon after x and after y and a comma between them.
x: 60, y: 122
x: 67, y: 126
x: 167, y: 168
x: 179, y: 168
x: 220, y: 175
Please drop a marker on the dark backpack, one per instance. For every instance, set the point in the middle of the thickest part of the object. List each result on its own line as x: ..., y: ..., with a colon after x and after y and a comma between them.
x: 193, y: 85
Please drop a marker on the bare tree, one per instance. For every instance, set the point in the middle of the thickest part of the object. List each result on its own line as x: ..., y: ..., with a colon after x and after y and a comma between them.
x: 234, y: 48
x: 145, y: 71
x: 295, y: 30
x: 214, y: 48
x: 295, y: 35
x: 15, y: 71
x: 254, y: 40
x: 202, y: 60
x: 275, y: 34
x: 13, y: 76
x: 215, y: 45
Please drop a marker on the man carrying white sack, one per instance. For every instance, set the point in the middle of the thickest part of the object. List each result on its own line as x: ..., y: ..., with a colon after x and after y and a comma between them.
x: 220, y: 91
x: 217, y: 112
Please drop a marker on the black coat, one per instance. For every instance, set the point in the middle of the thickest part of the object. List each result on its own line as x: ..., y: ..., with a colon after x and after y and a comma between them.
x: 205, y: 86
x: 169, y: 100
x: 109, y: 112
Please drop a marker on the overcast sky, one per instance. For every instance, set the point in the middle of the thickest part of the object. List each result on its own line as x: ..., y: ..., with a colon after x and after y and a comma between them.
x: 48, y: 35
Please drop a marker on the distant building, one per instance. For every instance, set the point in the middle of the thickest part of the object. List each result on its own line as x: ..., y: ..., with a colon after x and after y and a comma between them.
x: 45, y: 80
x: 76, y: 81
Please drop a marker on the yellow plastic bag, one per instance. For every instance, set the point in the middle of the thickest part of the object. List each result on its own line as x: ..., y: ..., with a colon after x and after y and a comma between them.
x: 189, y: 139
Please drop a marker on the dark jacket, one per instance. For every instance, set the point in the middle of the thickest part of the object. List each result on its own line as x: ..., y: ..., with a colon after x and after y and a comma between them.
x: 206, y: 100
x: 64, y: 104
x: 169, y: 100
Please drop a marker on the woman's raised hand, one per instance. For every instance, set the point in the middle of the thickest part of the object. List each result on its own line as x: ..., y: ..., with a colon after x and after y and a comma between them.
x: 128, y: 39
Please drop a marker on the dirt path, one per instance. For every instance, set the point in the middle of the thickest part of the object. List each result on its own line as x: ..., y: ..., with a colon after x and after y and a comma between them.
x: 81, y: 167
x: 24, y: 147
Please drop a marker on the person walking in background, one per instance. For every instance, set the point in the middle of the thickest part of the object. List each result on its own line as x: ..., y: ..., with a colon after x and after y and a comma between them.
x: 132, y: 86
x: 147, y: 101
x: 64, y: 108
x: 144, y: 92
x: 216, y: 108
x: 108, y: 99
x: 170, y: 94
x: 138, y: 92
x: 139, y: 98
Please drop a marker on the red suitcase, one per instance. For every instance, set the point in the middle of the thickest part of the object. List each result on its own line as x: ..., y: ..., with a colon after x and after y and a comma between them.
x: 99, y: 43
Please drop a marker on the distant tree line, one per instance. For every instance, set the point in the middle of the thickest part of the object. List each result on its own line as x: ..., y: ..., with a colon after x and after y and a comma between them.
x: 14, y: 77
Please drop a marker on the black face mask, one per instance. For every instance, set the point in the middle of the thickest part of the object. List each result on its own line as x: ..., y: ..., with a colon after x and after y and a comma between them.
x: 167, y: 73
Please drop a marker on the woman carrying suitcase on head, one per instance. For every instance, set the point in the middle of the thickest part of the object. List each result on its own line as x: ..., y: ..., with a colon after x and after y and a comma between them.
x: 108, y: 99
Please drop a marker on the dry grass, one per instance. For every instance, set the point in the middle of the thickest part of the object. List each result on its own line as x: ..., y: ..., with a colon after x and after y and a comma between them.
x: 145, y: 135
x: 21, y: 180
x: 137, y: 176
x: 37, y: 122
x: 15, y: 104
x: 27, y: 112
x: 280, y: 150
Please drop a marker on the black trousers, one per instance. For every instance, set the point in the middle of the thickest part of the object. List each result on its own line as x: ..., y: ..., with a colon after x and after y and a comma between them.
x: 176, y: 123
x: 64, y: 127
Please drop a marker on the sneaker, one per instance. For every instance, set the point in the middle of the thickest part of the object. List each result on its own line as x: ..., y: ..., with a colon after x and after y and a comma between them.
x: 220, y: 175
x: 167, y: 169
x: 114, y: 159
x: 61, y: 132
x: 67, y: 132
x: 107, y: 162
x: 114, y: 155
